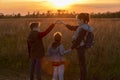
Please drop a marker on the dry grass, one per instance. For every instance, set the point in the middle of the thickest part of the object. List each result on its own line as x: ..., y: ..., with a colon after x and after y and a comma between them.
x: 103, y: 60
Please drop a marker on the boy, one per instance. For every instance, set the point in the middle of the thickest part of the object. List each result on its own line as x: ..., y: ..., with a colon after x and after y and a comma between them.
x: 36, y: 48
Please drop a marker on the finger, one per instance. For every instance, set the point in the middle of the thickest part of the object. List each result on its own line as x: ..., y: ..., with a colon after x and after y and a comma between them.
x: 55, y: 22
x: 63, y: 22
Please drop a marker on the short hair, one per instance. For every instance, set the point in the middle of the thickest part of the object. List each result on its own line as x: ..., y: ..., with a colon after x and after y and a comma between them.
x: 57, y: 36
x: 84, y: 16
x: 33, y: 25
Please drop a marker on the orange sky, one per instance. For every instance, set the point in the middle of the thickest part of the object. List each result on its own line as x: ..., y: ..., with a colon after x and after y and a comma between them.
x: 20, y: 6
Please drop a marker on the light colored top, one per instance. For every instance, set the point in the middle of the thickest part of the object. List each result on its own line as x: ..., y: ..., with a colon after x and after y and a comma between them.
x: 57, y: 54
x: 85, y: 27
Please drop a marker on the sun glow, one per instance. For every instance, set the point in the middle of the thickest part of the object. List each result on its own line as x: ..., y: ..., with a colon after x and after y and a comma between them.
x: 62, y: 3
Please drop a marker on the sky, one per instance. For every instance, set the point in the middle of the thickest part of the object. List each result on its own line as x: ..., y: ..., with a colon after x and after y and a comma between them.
x: 23, y: 6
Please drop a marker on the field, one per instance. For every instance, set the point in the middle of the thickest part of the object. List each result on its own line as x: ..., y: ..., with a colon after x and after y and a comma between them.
x: 103, y: 60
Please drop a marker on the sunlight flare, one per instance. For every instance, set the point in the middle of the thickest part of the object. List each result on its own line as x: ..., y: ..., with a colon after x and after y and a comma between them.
x: 62, y: 3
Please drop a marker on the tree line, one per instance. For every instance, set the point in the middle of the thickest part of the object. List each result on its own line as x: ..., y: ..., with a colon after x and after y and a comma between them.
x: 60, y: 14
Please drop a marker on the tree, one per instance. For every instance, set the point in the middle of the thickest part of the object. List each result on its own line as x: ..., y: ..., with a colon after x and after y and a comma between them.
x: 49, y: 13
x: 38, y: 14
x: 1, y: 15
x: 17, y: 15
x: 28, y: 14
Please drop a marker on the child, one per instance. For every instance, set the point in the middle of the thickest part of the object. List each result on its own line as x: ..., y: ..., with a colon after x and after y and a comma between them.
x: 36, y: 48
x: 56, y: 53
x: 79, y: 40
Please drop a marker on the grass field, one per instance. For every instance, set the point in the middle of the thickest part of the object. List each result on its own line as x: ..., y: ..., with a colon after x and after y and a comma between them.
x: 103, y: 60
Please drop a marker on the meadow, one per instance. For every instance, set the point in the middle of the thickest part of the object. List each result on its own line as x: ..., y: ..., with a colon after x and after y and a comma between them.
x: 103, y: 60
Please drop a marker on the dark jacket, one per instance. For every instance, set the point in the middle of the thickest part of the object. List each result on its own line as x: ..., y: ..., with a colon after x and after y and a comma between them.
x: 80, y: 37
x: 35, y: 43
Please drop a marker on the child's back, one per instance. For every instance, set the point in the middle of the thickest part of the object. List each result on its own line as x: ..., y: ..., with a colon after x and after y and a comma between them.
x: 37, y: 48
x: 56, y: 54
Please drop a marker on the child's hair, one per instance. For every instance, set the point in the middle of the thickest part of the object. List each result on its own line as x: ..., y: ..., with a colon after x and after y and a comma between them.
x: 84, y: 16
x: 57, y: 39
x: 33, y: 25
x: 57, y: 36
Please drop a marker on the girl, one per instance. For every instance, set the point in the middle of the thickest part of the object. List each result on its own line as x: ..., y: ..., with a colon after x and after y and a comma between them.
x: 78, y: 40
x: 56, y: 53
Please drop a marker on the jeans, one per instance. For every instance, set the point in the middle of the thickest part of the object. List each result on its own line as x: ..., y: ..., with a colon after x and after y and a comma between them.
x: 35, y: 64
x: 82, y: 63
x: 58, y: 72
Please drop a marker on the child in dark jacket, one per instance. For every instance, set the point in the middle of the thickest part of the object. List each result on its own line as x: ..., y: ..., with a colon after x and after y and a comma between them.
x: 36, y: 48
x: 79, y: 40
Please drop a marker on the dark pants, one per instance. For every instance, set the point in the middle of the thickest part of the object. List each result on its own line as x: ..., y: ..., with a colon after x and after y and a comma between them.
x: 82, y: 63
x: 35, y: 64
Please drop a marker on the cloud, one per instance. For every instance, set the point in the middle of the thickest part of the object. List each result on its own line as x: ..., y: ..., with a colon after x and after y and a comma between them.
x: 44, y: 5
x: 95, y: 7
x: 22, y: 7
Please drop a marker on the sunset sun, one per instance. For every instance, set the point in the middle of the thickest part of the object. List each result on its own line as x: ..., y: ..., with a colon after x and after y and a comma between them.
x: 62, y: 3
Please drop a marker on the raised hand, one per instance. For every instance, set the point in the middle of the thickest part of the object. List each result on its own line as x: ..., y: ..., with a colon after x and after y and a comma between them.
x: 57, y: 21
x: 62, y: 22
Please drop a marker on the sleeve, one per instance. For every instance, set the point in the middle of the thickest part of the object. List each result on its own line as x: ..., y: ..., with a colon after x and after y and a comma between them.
x: 48, y: 53
x: 72, y: 28
x: 67, y: 51
x: 63, y: 51
x: 80, y: 37
x: 61, y: 48
x: 29, y: 48
x: 43, y: 34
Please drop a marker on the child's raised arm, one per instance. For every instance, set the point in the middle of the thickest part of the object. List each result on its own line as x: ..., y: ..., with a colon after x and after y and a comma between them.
x: 72, y: 28
x: 42, y: 34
